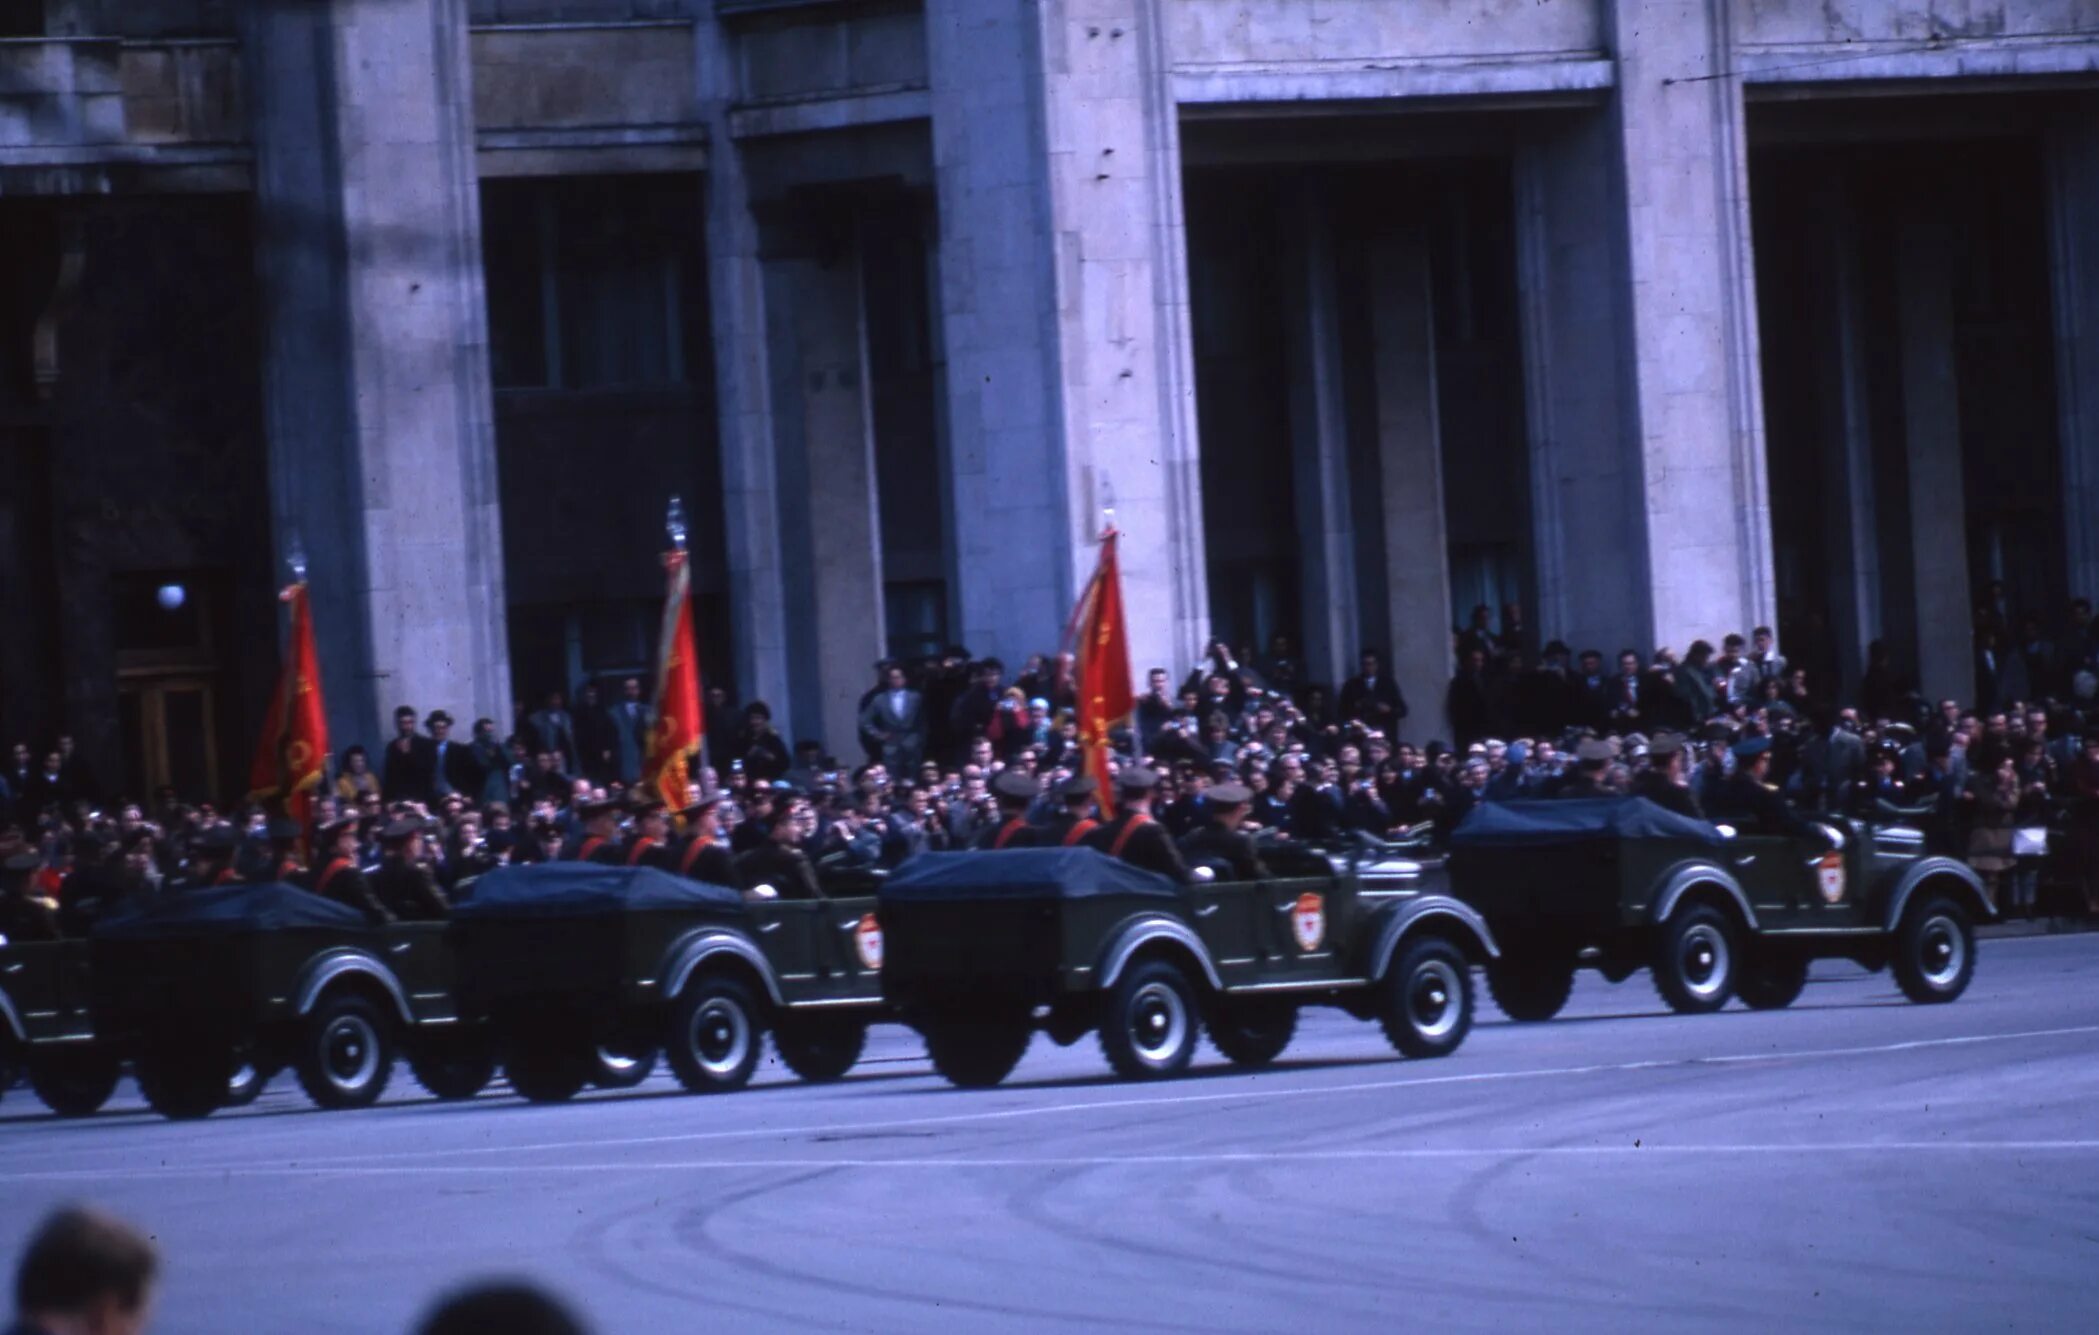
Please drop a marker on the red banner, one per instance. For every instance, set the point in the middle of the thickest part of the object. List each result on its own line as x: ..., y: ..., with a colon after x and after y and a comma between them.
x: 1102, y: 646
x: 291, y: 757
x: 679, y: 725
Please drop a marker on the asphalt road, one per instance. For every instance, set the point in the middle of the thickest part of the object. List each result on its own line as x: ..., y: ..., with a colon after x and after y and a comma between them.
x: 1854, y: 1162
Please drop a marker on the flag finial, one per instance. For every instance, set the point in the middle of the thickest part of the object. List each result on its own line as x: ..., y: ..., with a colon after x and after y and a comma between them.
x: 295, y: 556
x: 1107, y: 499
x: 674, y: 522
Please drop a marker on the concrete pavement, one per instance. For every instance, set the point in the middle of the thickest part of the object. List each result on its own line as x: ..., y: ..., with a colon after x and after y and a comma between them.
x: 1855, y: 1161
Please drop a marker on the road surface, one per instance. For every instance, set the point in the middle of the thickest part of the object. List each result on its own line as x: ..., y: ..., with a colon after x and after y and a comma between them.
x: 1855, y: 1161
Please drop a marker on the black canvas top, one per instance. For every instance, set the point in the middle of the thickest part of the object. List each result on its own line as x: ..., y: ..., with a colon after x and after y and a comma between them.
x: 1020, y: 873
x: 588, y: 889
x: 223, y: 910
x: 1544, y: 823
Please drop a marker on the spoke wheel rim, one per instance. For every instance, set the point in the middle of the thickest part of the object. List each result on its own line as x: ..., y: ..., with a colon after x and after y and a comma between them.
x: 1158, y: 1022
x: 720, y: 1037
x: 1433, y: 999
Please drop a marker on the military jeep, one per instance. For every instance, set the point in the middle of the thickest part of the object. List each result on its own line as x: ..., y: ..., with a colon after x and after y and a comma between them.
x: 1622, y: 884
x: 574, y: 966
x: 47, y: 1028
x: 984, y: 948
x: 194, y: 986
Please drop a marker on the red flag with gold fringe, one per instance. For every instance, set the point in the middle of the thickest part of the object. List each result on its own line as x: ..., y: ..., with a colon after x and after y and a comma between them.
x: 679, y: 725
x: 291, y: 757
x: 1101, y: 644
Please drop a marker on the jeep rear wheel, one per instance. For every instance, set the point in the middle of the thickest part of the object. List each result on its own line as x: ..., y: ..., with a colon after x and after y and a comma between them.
x: 1934, y: 951
x: 456, y: 1066
x: 346, y: 1053
x: 1530, y: 987
x: 619, y: 1068
x: 184, y: 1082
x: 1771, y: 981
x: 549, y: 1067
x: 1252, y: 1033
x: 1425, y: 999
x: 976, y: 1052
x: 75, y: 1080
x: 1149, y: 1026
x: 819, y: 1049
x: 1694, y: 960
x: 715, y: 1036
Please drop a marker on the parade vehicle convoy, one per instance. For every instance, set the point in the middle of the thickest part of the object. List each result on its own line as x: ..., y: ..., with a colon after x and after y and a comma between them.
x: 196, y: 987
x: 574, y: 964
x: 47, y: 1030
x: 984, y: 948
x: 1620, y: 884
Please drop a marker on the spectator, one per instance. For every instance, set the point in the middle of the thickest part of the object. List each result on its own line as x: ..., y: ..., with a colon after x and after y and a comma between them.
x: 1372, y: 698
x: 356, y: 778
x: 894, y: 720
x: 501, y: 1307
x: 405, y: 775
x: 633, y: 719
x: 550, y: 728
x: 87, y: 1272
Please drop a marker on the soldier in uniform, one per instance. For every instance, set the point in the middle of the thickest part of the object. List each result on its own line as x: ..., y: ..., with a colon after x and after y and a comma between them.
x: 599, y: 841
x: 1015, y: 793
x: 1882, y: 782
x: 339, y: 877
x: 779, y: 862
x: 211, y: 859
x: 1748, y: 802
x: 24, y: 914
x: 1668, y: 784
x: 402, y: 883
x: 704, y: 857
x: 1218, y: 839
x: 1133, y: 835
x: 649, y: 846
x: 1592, y: 757
x: 284, y: 858
x: 1069, y: 827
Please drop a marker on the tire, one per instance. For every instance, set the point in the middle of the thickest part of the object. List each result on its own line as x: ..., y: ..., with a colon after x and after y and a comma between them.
x: 184, y: 1083
x: 346, y: 1053
x: 716, y: 1036
x: 1425, y: 998
x: 1150, y: 1023
x: 1252, y: 1035
x: 74, y: 1081
x: 1694, y: 960
x: 455, y: 1067
x: 552, y: 1069
x: 818, y: 1050
x: 1771, y: 982
x: 1934, y: 951
x: 977, y: 1052
x: 621, y: 1070
x: 247, y: 1084
x: 1530, y: 988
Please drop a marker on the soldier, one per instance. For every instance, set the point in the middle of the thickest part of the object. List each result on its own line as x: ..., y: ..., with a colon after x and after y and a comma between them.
x: 1069, y: 827
x: 779, y: 862
x: 1015, y: 793
x: 284, y: 858
x: 1133, y: 835
x: 211, y: 859
x: 599, y: 841
x: 704, y: 857
x: 1218, y: 838
x: 1592, y: 757
x: 24, y: 914
x: 1667, y: 784
x: 1882, y: 782
x: 649, y: 846
x: 339, y: 877
x: 402, y: 883
x: 1745, y: 799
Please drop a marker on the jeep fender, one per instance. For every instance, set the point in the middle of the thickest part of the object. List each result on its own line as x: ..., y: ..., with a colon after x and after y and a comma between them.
x: 1450, y: 916
x: 1683, y: 877
x: 14, y: 1021
x: 1136, y: 933
x: 690, y: 951
x: 1932, y: 869
x: 331, y: 967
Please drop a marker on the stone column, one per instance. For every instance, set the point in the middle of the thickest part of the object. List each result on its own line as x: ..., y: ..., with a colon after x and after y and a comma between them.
x: 1850, y: 512
x: 2073, y: 219
x: 1319, y: 444
x: 1063, y: 286
x: 743, y: 394
x: 377, y: 397
x: 1931, y: 425
x: 1410, y: 451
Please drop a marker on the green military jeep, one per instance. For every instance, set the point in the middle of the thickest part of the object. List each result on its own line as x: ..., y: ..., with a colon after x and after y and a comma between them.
x: 984, y: 948
x: 574, y: 966
x: 1622, y: 884
x: 194, y: 986
x: 47, y: 1028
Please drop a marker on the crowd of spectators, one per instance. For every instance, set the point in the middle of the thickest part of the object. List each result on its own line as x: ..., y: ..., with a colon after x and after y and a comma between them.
x: 2011, y: 784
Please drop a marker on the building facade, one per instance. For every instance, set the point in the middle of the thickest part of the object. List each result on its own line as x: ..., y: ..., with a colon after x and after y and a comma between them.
x: 1657, y: 318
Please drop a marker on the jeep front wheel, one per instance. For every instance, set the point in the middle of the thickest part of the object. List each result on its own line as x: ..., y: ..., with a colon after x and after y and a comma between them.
x: 715, y: 1036
x: 1694, y: 960
x: 346, y: 1053
x: 1149, y: 1026
x: 1934, y: 951
x: 1252, y: 1033
x: 1425, y: 999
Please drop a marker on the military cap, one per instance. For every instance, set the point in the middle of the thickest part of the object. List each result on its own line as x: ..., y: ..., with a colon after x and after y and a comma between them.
x: 1595, y: 751
x: 1136, y: 779
x: 1664, y: 745
x: 643, y: 800
x: 1077, y: 786
x: 21, y: 862
x: 597, y: 806
x: 339, y: 824
x: 1900, y: 732
x: 216, y: 839
x: 1752, y: 747
x: 1231, y: 795
x: 709, y: 796
x: 400, y: 828
x: 1015, y: 786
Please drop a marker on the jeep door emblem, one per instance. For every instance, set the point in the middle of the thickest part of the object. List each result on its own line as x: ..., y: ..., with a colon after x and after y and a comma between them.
x: 1308, y: 921
x: 1830, y: 873
x: 867, y: 942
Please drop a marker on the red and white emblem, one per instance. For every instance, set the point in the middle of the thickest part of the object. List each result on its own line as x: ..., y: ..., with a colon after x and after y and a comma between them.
x: 867, y: 941
x: 1830, y: 874
x: 1308, y: 921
